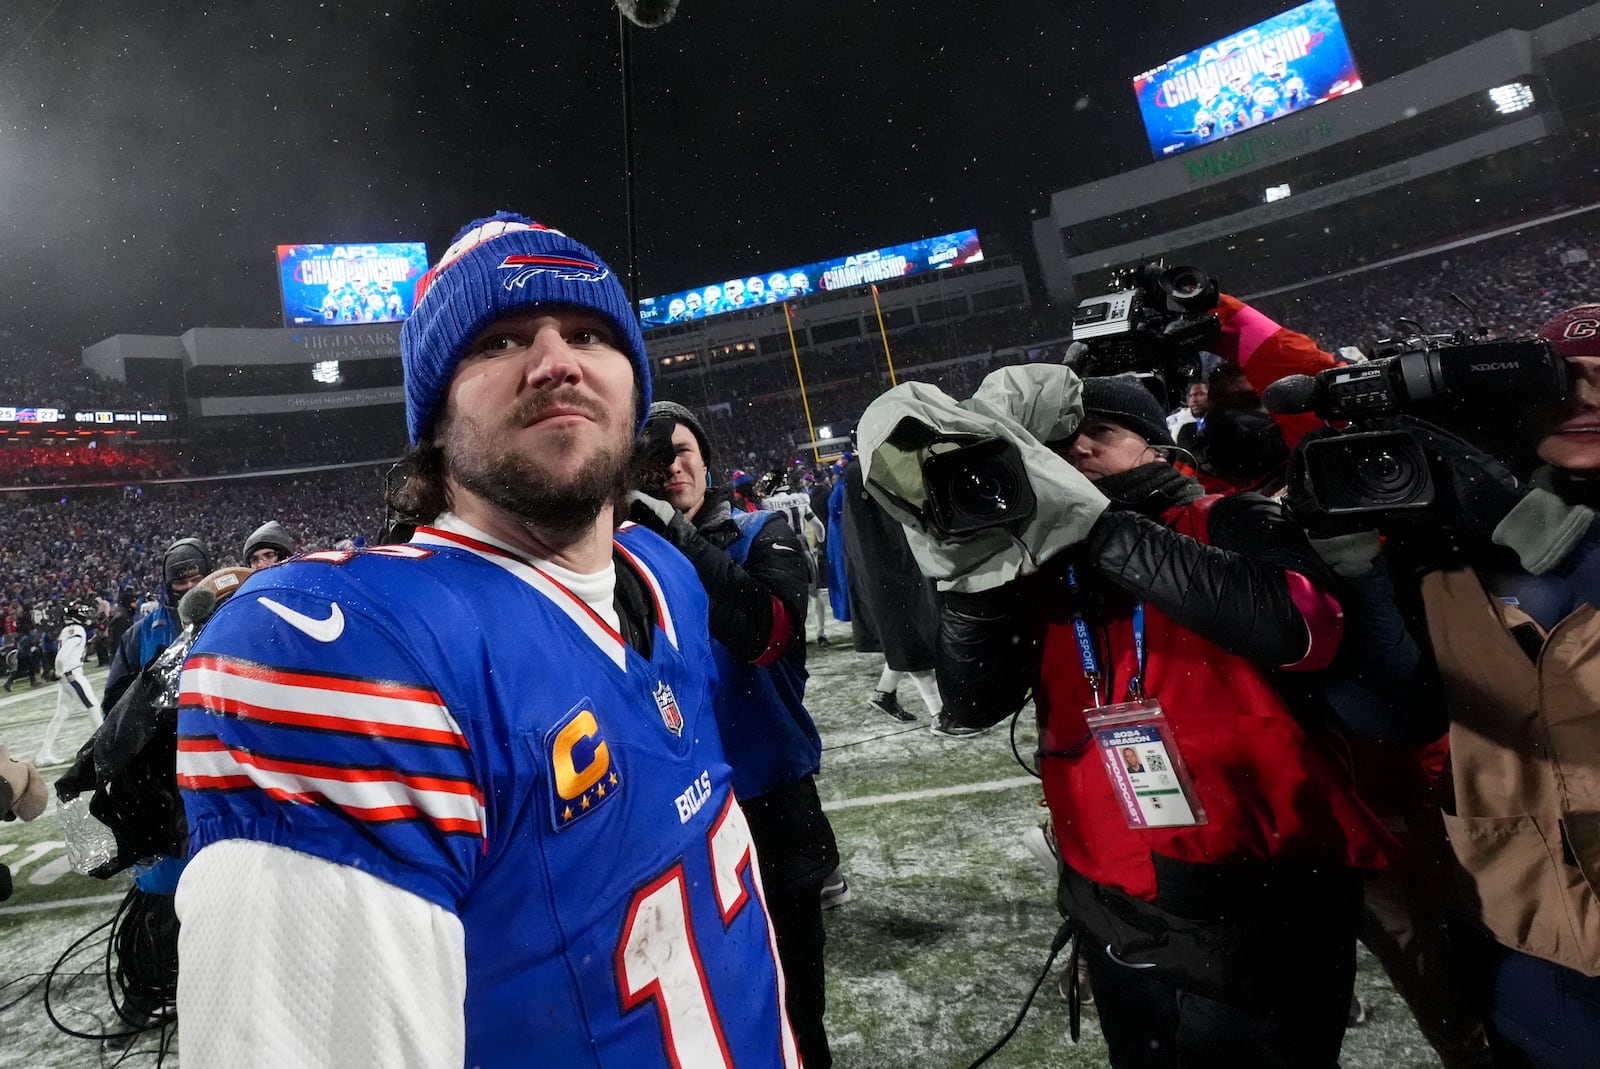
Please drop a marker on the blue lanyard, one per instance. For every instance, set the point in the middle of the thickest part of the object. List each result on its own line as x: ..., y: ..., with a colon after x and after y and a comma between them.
x: 1091, y: 662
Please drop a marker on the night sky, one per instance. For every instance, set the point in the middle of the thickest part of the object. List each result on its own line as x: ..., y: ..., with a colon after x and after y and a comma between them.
x: 152, y: 154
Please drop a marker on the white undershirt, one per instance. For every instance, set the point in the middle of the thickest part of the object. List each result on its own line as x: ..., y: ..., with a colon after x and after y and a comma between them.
x: 598, y: 590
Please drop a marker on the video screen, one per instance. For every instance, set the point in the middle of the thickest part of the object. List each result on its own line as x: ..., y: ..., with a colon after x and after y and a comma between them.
x: 776, y: 286
x: 1285, y: 64
x: 335, y: 285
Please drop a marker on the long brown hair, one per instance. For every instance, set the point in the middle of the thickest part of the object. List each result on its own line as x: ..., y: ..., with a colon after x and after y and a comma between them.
x: 416, y: 494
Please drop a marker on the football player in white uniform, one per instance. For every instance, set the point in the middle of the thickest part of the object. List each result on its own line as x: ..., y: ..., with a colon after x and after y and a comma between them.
x: 73, y: 691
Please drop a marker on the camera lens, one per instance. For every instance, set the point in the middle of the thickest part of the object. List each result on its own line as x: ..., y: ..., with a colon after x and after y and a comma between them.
x: 978, y: 485
x: 983, y: 491
x: 1187, y: 282
x: 1382, y: 475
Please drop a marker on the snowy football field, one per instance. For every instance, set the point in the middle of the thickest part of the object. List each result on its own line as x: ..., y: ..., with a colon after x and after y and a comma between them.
x: 948, y: 927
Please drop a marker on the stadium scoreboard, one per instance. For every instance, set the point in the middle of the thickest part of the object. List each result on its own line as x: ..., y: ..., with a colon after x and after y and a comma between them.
x: 1290, y: 62
x: 337, y: 285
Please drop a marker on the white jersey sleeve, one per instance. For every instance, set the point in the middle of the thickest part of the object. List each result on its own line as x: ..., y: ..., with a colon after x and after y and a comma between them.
x: 289, y: 959
x: 73, y: 643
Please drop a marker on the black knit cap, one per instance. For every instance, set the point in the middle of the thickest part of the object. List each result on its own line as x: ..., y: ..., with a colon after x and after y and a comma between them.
x: 1126, y: 402
x: 183, y: 559
x: 672, y: 410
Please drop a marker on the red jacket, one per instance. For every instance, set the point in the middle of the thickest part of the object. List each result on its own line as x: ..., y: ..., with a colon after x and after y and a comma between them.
x: 1268, y: 351
x: 1271, y: 790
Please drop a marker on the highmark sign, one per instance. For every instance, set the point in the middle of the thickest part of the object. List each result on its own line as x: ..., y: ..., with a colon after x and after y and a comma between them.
x: 1240, y: 153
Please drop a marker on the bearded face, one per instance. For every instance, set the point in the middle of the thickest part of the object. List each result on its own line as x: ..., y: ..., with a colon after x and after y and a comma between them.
x: 539, y: 420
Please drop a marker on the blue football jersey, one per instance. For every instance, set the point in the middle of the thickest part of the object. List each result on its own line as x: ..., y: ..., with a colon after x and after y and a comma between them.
x: 452, y: 719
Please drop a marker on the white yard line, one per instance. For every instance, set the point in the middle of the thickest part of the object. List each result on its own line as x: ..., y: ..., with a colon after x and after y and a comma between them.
x: 843, y: 803
x: 96, y: 676
x: 32, y: 692
x: 931, y: 792
x: 65, y: 903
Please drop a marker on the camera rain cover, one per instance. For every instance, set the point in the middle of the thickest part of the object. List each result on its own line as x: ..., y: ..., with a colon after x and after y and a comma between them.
x: 1023, y: 406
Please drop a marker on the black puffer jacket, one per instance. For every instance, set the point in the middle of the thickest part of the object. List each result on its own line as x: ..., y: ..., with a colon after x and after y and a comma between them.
x: 742, y: 615
x: 1232, y: 591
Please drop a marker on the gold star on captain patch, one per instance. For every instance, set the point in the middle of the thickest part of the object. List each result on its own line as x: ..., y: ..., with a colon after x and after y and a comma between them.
x: 566, y: 814
x: 600, y: 790
x: 613, y: 779
x: 585, y: 802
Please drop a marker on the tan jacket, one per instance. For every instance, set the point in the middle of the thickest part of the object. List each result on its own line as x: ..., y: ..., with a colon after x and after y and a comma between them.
x: 1525, y: 755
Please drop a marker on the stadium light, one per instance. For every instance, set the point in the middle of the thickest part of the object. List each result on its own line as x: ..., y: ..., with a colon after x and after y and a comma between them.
x: 326, y: 371
x: 1277, y: 192
x: 1512, y: 98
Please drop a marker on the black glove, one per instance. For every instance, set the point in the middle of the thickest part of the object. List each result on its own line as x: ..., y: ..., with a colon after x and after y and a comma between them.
x: 660, y: 517
x: 1484, y: 488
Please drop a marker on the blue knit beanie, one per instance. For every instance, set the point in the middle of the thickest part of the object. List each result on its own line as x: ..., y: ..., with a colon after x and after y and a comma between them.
x: 496, y: 266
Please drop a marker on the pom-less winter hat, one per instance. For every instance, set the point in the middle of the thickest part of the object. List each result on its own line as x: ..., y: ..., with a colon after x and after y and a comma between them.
x: 676, y: 413
x: 496, y: 266
x: 1125, y: 400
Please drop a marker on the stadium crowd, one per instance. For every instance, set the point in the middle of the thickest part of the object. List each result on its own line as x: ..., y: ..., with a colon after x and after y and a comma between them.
x: 63, y: 382
x: 62, y: 550
x: 76, y: 464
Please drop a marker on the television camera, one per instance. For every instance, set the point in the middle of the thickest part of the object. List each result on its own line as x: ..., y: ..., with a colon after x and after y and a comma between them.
x: 1154, y: 319
x: 1375, y: 466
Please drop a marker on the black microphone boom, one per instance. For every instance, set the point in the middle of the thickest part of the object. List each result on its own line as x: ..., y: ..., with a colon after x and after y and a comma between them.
x: 1291, y: 395
x: 648, y: 14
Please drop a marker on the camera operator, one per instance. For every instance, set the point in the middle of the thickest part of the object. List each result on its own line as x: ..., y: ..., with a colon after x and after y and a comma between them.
x: 754, y: 571
x: 1215, y: 883
x: 1239, y: 445
x: 1513, y: 636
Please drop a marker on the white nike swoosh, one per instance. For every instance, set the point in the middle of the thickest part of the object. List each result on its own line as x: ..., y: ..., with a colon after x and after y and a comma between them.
x: 780, y: 545
x: 321, y: 630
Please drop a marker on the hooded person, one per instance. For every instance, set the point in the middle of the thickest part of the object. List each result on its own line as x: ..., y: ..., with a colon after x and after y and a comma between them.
x: 269, y: 544
x: 183, y: 565
x: 1135, y: 610
x: 743, y: 496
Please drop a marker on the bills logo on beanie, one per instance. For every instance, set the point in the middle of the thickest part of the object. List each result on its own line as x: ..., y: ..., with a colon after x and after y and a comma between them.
x: 496, y: 266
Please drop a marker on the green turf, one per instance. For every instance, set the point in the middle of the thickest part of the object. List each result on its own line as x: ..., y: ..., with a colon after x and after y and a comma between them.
x: 948, y: 927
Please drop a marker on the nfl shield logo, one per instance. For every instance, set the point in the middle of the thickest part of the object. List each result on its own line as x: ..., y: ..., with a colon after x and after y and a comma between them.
x: 668, y: 704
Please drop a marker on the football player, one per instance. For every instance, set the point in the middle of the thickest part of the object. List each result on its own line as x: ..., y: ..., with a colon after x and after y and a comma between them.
x: 463, y: 800
x: 73, y: 691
